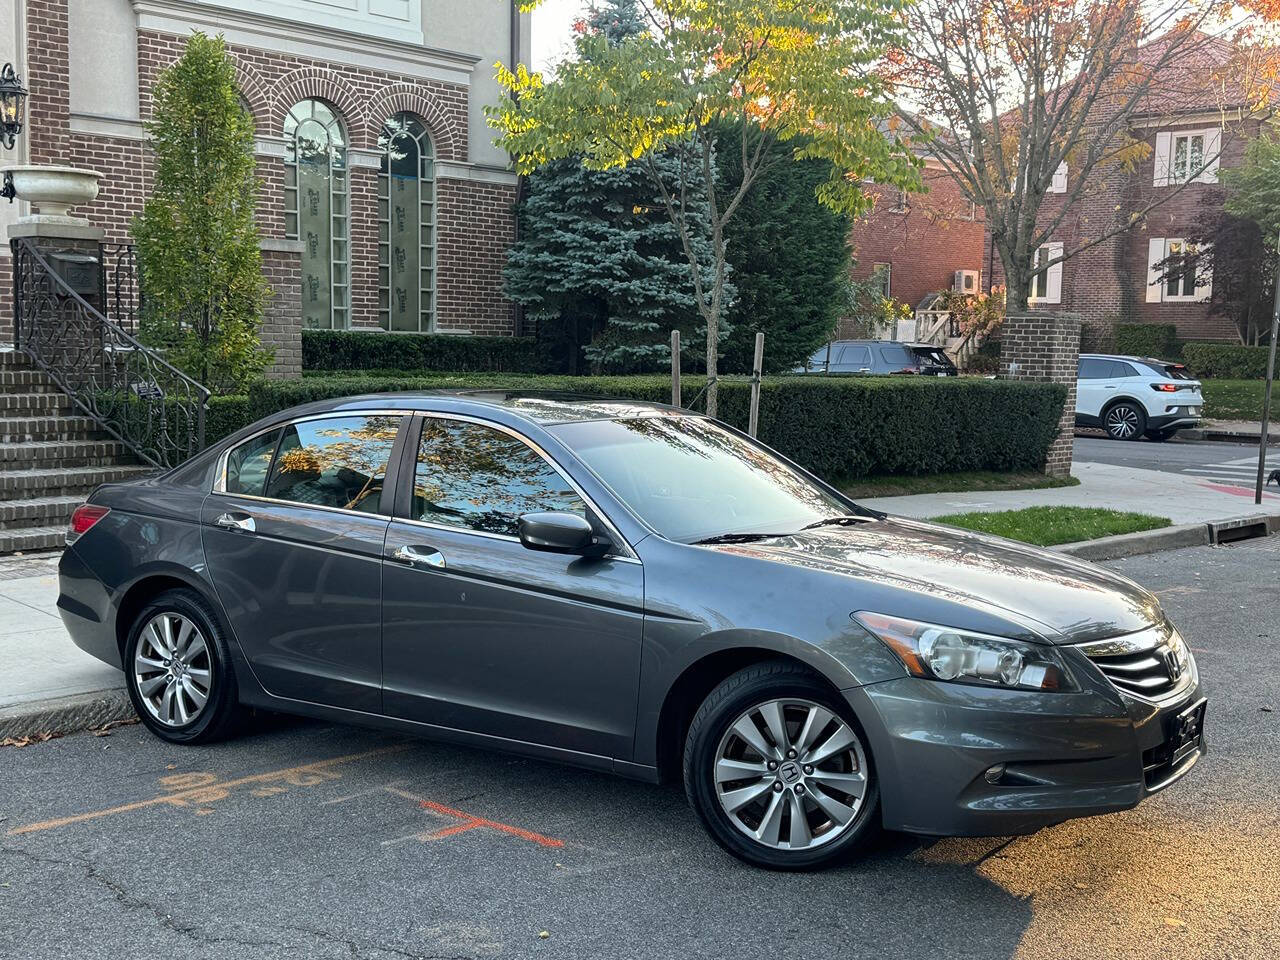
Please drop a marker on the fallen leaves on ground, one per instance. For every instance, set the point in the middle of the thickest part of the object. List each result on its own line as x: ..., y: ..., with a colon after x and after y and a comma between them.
x: 21, y: 742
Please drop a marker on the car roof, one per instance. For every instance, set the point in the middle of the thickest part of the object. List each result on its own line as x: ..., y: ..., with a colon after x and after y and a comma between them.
x: 542, y: 407
x: 1122, y: 356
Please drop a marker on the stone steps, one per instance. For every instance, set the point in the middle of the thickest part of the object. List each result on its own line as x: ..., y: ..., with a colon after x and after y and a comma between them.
x: 51, y: 458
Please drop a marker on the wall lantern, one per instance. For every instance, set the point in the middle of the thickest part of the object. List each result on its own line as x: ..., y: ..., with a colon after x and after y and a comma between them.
x: 13, y: 96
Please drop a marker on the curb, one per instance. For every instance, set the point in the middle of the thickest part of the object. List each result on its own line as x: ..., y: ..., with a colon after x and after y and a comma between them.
x: 82, y: 711
x: 1227, y: 436
x: 1173, y: 538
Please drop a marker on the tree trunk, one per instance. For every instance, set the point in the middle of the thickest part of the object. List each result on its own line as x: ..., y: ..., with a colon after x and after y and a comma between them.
x: 713, y: 347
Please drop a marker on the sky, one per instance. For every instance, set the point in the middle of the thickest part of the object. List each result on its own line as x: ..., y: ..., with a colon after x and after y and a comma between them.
x: 552, y: 23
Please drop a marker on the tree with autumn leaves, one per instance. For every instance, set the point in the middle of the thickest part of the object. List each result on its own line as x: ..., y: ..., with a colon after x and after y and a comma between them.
x: 809, y: 74
x: 1036, y: 106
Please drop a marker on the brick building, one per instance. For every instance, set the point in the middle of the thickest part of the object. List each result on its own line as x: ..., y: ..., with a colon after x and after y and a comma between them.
x: 917, y: 241
x: 1193, y: 124
x: 384, y: 204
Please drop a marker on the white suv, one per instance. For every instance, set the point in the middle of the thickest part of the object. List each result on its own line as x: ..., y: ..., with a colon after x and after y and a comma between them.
x: 1130, y: 397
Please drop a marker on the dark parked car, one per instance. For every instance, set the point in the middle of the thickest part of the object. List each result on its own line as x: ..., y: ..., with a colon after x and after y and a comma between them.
x: 879, y: 357
x: 636, y: 589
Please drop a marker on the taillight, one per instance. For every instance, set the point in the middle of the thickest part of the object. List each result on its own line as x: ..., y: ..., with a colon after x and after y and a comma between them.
x: 1165, y: 387
x: 86, y: 515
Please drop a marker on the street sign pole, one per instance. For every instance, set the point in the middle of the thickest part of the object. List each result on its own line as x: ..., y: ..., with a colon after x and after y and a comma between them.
x: 1266, y: 396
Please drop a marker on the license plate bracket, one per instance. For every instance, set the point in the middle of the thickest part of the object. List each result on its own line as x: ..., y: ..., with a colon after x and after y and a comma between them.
x: 1185, y: 731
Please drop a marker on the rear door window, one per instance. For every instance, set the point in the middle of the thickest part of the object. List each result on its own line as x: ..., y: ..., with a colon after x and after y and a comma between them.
x: 334, y: 462
x: 896, y: 357
x: 249, y: 463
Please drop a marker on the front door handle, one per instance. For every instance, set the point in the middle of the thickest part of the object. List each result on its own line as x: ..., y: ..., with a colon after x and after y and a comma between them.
x: 419, y: 557
x: 237, y: 521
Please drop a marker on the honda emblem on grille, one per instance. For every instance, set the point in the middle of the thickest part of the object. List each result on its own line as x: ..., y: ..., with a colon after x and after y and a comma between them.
x: 1171, y: 663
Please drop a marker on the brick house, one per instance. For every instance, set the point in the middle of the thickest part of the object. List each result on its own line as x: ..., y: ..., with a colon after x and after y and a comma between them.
x: 917, y: 241
x: 1193, y: 125
x: 384, y: 205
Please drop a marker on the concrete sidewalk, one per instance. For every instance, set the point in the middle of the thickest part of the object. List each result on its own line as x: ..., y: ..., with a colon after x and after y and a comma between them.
x: 1181, y: 498
x: 46, y: 681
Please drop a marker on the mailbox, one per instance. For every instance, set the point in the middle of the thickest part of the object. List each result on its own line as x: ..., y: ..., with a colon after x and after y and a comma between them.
x: 82, y: 272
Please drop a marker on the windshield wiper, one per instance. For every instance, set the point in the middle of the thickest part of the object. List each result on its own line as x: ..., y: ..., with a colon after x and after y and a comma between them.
x: 835, y: 522
x: 740, y: 537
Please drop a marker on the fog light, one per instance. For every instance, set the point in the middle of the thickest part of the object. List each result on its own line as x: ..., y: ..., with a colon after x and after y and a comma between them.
x: 995, y: 774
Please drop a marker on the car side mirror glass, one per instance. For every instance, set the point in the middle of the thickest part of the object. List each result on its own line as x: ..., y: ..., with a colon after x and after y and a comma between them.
x: 562, y: 533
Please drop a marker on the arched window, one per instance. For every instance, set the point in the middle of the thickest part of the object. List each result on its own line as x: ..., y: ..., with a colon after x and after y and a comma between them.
x: 406, y: 227
x: 315, y: 203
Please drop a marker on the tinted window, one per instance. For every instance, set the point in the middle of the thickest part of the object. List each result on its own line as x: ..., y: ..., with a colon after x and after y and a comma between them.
x: 1121, y: 369
x: 1094, y: 369
x: 247, y: 464
x: 897, y: 356
x: 338, y: 462
x: 469, y: 475
x: 856, y: 357
x: 689, y: 478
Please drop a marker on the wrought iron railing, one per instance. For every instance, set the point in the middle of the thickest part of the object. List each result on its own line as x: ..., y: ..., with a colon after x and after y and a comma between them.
x: 150, y: 406
x: 121, y: 295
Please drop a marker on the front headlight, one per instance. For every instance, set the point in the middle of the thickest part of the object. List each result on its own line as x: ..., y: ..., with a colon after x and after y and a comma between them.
x: 959, y: 656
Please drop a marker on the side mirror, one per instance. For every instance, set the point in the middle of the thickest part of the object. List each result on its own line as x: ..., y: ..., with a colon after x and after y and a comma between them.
x: 562, y: 533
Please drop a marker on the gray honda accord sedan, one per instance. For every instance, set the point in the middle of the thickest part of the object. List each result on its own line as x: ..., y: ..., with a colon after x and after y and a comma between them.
x: 638, y: 589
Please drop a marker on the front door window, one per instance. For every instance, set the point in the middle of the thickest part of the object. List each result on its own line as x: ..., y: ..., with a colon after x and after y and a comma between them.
x: 315, y: 189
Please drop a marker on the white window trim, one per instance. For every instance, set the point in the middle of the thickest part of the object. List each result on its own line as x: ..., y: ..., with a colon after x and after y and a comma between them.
x: 1053, y: 276
x: 1157, y: 283
x: 1165, y: 146
x: 1059, y: 182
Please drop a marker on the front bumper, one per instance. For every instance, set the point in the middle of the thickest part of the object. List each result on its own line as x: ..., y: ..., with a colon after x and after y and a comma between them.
x: 1064, y: 755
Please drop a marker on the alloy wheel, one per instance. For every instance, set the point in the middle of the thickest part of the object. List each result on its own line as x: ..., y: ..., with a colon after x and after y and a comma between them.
x: 173, y: 669
x: 791, y: 774
x: 1122, y: 422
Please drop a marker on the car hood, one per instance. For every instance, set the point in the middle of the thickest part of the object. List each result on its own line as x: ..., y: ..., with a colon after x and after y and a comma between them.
x: 1058, y: 598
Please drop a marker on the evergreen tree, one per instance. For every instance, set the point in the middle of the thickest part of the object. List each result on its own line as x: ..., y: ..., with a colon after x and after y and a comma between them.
x: 790, y: 256
x: 198, y: 251
x: 599, y: 265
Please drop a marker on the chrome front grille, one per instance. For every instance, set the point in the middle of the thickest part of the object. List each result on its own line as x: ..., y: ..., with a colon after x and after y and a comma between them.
x: 1153, y: 663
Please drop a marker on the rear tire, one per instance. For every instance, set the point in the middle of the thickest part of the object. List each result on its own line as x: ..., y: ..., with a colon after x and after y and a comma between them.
x: 1125, y: 421
x: 814, y: 799
x: 178, y: 670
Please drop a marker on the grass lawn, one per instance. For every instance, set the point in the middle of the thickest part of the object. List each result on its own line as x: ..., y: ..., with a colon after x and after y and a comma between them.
x: 888, y: 485
x: 1046, y: 526
x: 1234, y: 399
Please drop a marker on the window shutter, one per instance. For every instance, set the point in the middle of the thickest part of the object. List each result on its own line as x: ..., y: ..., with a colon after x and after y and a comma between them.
x: 1204, y: 289
x: 1155, y: 253
x: 1053, y: 289
x: 1059, y: 184
x: 1163, y: 155
x: 1212, y: 147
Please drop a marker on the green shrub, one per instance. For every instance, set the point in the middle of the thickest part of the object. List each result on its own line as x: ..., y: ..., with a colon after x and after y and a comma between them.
x: 410, y: 352
x: 224, y: 416
x: 838, y: 427
x: 1159, y: 340
x: 1227, y: 361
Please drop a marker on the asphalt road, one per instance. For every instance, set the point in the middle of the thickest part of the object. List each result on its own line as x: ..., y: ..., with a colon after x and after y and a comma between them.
x: 304, y: 840
x: 1233, y: 464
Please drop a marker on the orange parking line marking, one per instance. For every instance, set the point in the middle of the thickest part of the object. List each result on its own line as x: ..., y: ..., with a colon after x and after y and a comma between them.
x: 470, y: 822
x: 181, y: 797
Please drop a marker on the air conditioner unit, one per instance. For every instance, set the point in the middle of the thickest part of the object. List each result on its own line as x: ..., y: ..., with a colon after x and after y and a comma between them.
x: 966, y: 281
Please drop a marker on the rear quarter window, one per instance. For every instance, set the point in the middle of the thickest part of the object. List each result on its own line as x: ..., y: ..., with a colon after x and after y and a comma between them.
x: 897, y: 356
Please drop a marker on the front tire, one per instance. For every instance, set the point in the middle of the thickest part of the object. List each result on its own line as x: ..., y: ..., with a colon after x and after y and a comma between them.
x: 178, y: 670
x: 1125, y: 421
x: 778, y: 770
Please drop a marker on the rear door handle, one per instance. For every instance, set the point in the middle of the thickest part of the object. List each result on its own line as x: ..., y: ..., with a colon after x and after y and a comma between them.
x: 237, y: 521
x: 419, y: 557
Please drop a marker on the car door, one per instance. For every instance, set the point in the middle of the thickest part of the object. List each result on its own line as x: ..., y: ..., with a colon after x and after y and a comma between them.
x: 1094, y: 386
x: 293, y: 538
x: 481, y: 633
x: 853, y: 358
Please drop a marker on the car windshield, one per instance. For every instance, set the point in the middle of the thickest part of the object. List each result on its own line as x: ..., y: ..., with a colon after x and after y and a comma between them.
x: 690, y: 479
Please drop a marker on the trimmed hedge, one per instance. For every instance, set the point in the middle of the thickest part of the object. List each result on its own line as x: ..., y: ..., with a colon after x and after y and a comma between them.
x: 838, y: 427
x: 364, y: 350
x: 1158, y: 340
x: 1226, y: 361
x: 224, y: 416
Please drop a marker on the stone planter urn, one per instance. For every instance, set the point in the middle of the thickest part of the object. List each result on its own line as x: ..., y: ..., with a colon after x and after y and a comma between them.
x: 53, y: 191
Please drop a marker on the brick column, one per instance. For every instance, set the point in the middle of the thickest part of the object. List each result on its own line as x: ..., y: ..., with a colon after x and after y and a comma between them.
x: 1045, y: 347
x: 281, y: 328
